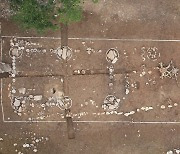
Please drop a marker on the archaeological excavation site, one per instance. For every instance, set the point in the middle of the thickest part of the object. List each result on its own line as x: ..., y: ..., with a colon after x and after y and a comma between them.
x: 89, y: 77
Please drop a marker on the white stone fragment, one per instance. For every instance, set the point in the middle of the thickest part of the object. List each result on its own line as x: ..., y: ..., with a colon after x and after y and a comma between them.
x: 169, y: 152
x: 127, y: 91
x: 17, y: 102
x: 37, y: 140
x: 25, y: 145
x: 114, y: 60
x: 175, y: 104
x: 163, y: 107
x: 22, y: 90
x: 20, y: 109
x: 129, y: 113
x: 13, y: 75
x: 35, y: 150
x: 38, y: 97
x: 170, y: 106
x: 13, y: 91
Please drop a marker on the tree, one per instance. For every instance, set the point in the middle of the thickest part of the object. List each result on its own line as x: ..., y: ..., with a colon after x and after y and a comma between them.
x: 47, y: 14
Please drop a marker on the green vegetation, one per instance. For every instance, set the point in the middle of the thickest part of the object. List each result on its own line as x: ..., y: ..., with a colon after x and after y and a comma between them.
x: 31, y: 14
x: 71, y: 11
x: 47, y: 14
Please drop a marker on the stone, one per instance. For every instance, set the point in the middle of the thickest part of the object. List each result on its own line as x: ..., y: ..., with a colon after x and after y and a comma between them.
x: 170, y: 106
x: 58, y: 95
x: 111, y: 55
x: 13, y: 91
x: 17, y: 103
x: 37, y: 140
x: 177, y: 151
x: 22, y: 90
x: 175, y: 104
x: 25, y: 145
x: 20, y: 109
x: 15, y: 52
x: 163, y: 107
x: 13, y: 75
x: 169, y: 152
x: 38, y: 97
x: 5, y: 67
x: 127, y: 91
x: 114, y: 60
x: 31, y: 96
x: 64, y: 54
x: 89, y: 50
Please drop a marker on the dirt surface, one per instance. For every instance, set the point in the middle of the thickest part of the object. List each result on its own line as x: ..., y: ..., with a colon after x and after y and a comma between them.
x: 147, y: 119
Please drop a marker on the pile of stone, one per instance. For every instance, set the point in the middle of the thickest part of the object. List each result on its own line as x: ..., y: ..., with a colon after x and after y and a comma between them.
x: 112, y: 55
x: 18, y: 105
x: 64, y: 53
x: 58, y: 99
x: 111, y: 103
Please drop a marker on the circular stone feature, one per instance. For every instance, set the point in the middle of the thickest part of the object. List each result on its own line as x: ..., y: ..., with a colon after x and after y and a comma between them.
x: 111, y: 103
x: 112, y: 55
x: 64, y: 103
x: 15, y: 53
x: 152, y: 53
x: 64, y: 53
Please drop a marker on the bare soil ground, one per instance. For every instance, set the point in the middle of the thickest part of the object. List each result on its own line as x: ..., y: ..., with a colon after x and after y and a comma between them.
x: 147, y: 120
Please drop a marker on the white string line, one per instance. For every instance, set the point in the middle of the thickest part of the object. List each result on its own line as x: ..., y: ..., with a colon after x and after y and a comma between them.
x: 1, y: 49
x: 99, y: 39
x: 2, y: 109
x: 0, y: 28
x: 129, y: 122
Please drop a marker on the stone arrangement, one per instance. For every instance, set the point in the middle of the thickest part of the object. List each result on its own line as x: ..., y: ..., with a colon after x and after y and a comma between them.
x: 65, y: 103
x: 168, y: 71
x: 111, y: 103
x: 111, y: 75
x: 150, y: 53
x: 64, y: 53
x: 16, y: 49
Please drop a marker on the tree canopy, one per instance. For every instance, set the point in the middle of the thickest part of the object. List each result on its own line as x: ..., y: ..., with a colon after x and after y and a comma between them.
x: 46, y: 14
